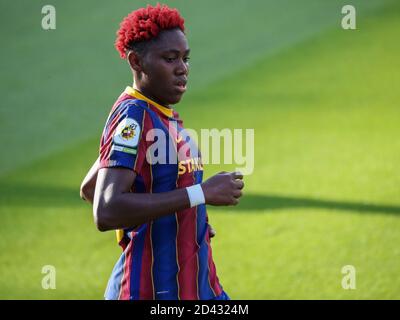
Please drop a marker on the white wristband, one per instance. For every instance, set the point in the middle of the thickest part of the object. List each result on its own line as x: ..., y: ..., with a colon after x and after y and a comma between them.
x: 196, y: 195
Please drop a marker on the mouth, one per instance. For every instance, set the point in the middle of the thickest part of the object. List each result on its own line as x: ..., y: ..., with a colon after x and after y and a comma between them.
x: 180, y: 86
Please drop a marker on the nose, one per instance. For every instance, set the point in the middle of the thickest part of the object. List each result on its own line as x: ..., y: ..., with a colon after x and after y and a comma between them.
x: 182, y: 68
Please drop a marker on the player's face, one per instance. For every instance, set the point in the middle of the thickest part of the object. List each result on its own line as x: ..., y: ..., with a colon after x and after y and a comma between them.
x: 166, y: 67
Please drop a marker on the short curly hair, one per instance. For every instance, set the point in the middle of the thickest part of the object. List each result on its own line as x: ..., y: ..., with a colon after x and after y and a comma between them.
x: 145, y: 24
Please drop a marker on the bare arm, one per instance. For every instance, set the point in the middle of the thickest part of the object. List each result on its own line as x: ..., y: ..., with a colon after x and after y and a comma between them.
x: 115, y: 207
x: 89, y: 183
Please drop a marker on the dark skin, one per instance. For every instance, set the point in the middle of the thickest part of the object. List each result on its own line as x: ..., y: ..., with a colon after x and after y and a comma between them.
x: 160, y: 74
x: 165, y: 64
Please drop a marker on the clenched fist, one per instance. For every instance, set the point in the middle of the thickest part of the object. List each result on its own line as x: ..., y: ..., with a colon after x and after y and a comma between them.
x: 223, y: 189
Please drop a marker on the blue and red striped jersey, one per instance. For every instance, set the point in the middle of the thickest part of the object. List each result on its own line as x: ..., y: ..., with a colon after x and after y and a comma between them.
x: 169, y: 257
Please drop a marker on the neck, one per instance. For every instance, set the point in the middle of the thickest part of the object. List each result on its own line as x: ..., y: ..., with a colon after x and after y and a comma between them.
x: 146, y: 93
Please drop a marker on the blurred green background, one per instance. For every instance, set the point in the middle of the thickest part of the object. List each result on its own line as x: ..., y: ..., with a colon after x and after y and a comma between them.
x: 324, y: 103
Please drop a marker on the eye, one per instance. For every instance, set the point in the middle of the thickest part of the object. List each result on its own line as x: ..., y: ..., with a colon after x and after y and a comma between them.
x: 169, y: 59
x: 186, y: 59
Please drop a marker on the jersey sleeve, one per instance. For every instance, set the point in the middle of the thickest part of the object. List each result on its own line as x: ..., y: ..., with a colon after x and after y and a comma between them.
x: 123, y: 142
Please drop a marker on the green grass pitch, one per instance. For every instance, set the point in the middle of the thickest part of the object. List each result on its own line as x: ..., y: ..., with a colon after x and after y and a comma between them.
x: 324, y: 103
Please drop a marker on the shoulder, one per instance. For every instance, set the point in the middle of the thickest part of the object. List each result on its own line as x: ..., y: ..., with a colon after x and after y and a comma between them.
x: 133, y: 107
x: 130, y: 111
x: 134, y: 118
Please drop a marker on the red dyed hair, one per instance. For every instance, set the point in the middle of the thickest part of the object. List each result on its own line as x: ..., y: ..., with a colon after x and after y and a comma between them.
x: 145, y: 24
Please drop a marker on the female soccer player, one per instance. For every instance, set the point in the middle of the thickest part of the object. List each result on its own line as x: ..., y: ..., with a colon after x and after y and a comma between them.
x: 158, y: 206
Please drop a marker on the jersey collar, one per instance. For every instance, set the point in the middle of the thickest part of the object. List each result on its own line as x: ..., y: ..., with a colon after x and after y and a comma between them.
x: 136, y: 94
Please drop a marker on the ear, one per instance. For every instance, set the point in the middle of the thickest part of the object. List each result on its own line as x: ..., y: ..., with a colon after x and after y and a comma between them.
x: 134, y: 61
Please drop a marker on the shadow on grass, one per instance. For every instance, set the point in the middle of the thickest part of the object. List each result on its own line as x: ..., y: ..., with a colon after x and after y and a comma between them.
x: 12, y: 195
x: 254, y: 202
x: 28, y: 195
